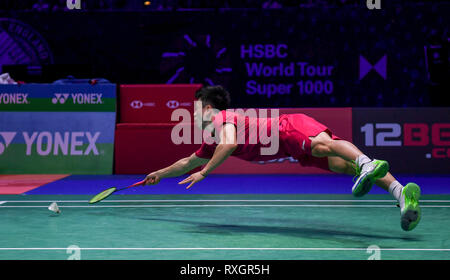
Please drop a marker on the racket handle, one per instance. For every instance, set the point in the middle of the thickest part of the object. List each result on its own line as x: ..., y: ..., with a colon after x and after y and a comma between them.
x: 140, y: 183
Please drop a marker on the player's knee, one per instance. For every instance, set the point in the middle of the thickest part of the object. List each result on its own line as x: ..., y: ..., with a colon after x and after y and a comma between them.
x: 321, y: 149
x: 321, y: 146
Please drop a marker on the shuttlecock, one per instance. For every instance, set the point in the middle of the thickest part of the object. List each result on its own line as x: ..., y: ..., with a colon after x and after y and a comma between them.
x: 54, y: 208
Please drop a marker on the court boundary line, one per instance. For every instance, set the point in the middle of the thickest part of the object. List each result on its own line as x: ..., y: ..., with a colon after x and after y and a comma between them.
x: 222, y: 200
x: 219, y: 205
x: 222, y: 249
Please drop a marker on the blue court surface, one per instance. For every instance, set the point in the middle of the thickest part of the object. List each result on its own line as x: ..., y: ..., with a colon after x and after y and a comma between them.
x: 235, y: 184
x: 224, y: 217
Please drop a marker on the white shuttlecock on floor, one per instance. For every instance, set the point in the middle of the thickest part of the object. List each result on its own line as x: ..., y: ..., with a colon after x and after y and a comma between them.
x: 54, y: 208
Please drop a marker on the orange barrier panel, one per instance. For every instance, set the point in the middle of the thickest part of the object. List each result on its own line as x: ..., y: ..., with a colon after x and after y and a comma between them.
x: 18, y: 184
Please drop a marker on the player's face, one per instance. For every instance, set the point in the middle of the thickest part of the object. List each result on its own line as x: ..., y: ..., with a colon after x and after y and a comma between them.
x: 199, y: 114
x: 202, y: 114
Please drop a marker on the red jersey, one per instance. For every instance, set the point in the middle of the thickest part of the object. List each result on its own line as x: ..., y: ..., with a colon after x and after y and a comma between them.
x: 253, y: 134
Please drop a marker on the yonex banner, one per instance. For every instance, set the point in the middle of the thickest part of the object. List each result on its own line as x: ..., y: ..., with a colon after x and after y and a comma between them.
x: 57, y: 128
x: 58, y: 98
x: 413, y: 140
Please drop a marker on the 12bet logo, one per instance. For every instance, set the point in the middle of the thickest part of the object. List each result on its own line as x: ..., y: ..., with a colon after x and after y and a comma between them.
x: 436, y: 135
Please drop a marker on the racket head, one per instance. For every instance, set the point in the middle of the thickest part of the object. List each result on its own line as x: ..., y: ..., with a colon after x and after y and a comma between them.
x: 104, y: 194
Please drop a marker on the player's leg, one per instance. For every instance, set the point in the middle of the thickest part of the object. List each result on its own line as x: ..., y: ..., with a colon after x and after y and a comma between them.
x: 341, y: 166
x: 298, y: 130
x: 407, y: 196
x: 387, y: 183
x: 367, y: 170
x: 323, y: 145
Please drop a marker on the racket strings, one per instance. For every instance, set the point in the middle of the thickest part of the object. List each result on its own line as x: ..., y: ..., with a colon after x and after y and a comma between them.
x: 104, y: 194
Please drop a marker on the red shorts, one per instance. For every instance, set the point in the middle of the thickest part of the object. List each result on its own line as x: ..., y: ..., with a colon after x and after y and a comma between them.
x: 295, y: 130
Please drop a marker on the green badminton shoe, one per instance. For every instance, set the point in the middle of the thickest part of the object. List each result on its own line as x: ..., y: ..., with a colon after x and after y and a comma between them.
x: 367, y: 175
x: 409, y: 206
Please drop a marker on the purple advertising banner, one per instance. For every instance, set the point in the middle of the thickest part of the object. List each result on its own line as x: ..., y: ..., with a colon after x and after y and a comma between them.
x: 413, y: 140
x: 337, y: 56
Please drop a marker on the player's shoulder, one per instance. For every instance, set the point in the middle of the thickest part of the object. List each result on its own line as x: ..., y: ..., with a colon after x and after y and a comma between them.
x: 226, y: 114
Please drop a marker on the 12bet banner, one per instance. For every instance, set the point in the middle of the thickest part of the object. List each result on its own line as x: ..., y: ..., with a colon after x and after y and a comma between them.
x: 413, y: 140
x: 54, y: 129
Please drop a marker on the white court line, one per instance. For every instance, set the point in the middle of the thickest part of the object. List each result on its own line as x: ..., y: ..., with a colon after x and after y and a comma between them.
x: 220, y: 200
x: 231, y: 249
x: 1, y: 202
x: 222, y: 205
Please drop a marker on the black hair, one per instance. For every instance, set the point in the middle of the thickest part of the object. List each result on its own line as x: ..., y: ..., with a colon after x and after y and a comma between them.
x: 216, y: 96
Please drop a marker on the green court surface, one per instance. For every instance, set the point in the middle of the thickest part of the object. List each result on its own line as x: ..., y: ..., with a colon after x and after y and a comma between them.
x: 211, y: 227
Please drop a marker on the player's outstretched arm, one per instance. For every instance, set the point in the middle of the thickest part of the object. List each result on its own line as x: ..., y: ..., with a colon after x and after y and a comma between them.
x: 224, y: 149
x: 179, y: 168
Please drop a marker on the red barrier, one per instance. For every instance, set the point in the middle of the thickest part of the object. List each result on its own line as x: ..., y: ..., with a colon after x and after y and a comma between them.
x: 143, y: 148
x: 154, y: 103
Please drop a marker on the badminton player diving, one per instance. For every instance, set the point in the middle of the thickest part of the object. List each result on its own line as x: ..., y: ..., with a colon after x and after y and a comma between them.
x: 299, y: 136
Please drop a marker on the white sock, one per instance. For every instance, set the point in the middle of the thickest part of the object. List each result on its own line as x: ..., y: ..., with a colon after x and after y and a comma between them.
x: 360, y: 160
x: 395, y: 188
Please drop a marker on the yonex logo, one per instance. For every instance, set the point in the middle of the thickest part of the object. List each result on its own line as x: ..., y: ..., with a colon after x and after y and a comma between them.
x: 87, y: 98
x: 7, y: 138
x: 14, y: 98
x: 45, y: 143
x: 67, y: 143
x: 61, y: 98
x: 78, y: 98
x: 173, y: 104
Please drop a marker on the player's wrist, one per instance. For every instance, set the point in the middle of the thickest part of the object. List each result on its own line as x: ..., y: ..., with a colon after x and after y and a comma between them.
x: 204, y: 173
x: 159, y: 174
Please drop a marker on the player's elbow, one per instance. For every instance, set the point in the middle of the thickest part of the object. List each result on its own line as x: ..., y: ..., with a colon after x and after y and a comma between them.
x: 185, y: 161
x: 229, y: 147
x: 194, y: 161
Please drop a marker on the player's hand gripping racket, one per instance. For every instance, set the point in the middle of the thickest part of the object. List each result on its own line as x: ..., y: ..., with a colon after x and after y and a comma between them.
x: 104, y: 194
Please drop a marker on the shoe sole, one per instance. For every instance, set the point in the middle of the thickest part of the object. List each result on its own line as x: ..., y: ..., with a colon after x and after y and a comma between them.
x: 411, y: 214
x: 364, y: 184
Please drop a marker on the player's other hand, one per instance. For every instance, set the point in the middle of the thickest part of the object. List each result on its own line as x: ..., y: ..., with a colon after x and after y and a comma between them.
x: 152, y: 179
x: 194, y: 178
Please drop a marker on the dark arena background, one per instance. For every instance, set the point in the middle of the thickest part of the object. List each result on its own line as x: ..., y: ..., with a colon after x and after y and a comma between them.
x: 89, y: 92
